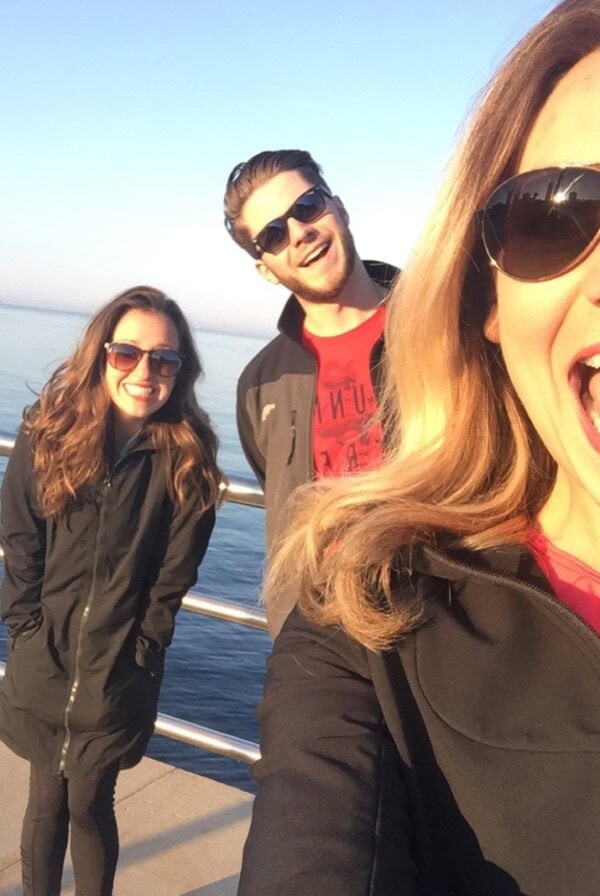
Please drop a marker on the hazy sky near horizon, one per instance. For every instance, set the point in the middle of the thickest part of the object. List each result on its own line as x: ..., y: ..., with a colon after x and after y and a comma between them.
x: 122, y: 120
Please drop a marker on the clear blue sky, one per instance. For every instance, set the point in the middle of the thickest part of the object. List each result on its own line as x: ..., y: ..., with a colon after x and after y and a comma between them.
x: 121, y: 121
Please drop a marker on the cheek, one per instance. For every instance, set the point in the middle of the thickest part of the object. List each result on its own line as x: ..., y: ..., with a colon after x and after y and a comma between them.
x: 110, y: 382
x: 527, y: 319
x: 166, y: 390
x: 533, y: 335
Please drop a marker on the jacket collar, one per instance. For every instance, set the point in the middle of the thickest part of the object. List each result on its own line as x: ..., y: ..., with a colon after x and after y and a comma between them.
x: 291, y: 320
x: 510, y: 561
x: 139, y: 443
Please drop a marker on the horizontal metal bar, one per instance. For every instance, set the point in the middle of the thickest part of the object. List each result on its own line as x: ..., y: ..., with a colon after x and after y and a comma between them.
x: 243, y: 490
x: 7, y: 443
x: 207, y: 738
x: 227, y: 610
x: 200, y: 736
x: 239, y: 489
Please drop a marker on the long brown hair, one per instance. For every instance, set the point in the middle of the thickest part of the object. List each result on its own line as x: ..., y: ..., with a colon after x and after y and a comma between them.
x: 70, y: 424
x: 464, y: 464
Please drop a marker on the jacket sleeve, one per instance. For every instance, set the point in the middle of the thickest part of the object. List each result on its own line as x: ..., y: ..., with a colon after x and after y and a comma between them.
x: 185, y: 540
x: 331, y: 812
x: 23, y: 537
x: 254, y: 455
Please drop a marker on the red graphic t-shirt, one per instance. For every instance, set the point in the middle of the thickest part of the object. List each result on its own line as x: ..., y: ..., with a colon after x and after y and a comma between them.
x: 345, y: 437
x: 574, y: 583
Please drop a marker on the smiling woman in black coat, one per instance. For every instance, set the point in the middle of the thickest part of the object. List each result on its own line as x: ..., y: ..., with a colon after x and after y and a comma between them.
x: 107, y: 508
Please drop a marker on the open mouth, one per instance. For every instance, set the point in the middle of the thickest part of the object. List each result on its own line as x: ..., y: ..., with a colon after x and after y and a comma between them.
x: 316, y: 254
x: 585, y: 378
x: 143, y: 392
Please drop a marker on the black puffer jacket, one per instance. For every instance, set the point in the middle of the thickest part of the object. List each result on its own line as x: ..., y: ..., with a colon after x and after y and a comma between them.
x: 464, y: 763
x: 90, y: 606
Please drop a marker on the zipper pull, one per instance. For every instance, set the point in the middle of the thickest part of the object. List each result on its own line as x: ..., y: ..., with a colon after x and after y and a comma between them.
x: 292, y: 438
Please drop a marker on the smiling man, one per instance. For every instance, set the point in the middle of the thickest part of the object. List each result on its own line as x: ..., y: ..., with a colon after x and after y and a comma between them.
x: 307, y: 402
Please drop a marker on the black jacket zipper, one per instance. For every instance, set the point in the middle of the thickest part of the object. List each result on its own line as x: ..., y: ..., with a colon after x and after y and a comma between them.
x: 79, y: 648
x: 106, y: 485
x: 547, y: 596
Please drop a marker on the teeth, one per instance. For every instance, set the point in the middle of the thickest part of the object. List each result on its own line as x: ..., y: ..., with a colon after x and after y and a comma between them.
x: 314, y: 255
x: 593, y: 361
x: 135, y: 391
x: 595, y: 418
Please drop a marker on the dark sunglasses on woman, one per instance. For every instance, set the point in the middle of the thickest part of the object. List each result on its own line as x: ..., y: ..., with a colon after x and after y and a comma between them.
x: 125, y: 357
x: 539, y: 224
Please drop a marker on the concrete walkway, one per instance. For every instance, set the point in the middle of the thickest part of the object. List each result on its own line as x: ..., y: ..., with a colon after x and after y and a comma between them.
x: 181, y: 834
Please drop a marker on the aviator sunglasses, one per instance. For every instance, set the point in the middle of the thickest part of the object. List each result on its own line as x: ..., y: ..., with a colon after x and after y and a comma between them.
x: 125, y: 357
x: 307, y: 208
x: 540, y: 224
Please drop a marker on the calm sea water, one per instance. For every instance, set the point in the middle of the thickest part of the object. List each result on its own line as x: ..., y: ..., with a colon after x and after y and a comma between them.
x: 214, y: 670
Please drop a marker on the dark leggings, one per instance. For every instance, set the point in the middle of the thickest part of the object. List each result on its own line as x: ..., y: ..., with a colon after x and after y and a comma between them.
x: 85, y: 803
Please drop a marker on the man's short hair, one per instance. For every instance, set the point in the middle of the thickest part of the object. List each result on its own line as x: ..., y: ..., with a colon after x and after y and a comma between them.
x: 246, y: 177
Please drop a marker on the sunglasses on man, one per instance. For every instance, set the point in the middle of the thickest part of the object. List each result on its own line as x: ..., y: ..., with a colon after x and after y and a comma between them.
x: 540, y: 224
x: 275, y: 235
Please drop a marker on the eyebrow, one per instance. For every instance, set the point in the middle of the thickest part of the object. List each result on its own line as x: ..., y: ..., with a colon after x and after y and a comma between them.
x: 135, y: 342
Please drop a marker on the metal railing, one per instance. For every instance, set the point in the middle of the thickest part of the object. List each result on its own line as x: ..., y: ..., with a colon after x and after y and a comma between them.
x: 239, y: 490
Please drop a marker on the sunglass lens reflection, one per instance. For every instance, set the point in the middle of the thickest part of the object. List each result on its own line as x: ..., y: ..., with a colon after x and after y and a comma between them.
x: 274, y: 236
x: 538, y: 223
x: 124, y: 357
x: 309, y: 207
x: 165, y: 363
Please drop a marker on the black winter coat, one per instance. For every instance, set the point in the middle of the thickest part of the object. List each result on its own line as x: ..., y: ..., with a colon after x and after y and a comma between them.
x: 466, y: 762
x: 90, y: 606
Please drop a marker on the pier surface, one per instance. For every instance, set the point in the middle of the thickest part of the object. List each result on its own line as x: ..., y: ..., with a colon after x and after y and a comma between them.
x: 181, y: 834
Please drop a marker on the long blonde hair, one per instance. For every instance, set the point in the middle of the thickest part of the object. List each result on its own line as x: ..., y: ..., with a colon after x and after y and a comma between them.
x: 70, y: 424
x: 464, y: 463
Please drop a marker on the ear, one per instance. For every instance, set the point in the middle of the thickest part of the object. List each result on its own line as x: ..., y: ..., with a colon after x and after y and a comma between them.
x: 341, y: 210
x: 491, y: 327
x: 265, y: 272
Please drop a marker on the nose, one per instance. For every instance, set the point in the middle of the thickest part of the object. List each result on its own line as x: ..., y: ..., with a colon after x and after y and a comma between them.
x: 591, y: 281
x: 142, y: 370
x: 300, y: 232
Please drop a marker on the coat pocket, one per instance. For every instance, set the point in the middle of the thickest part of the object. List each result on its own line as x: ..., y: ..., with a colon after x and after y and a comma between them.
x: 18, y: 641
x: 33, y: 680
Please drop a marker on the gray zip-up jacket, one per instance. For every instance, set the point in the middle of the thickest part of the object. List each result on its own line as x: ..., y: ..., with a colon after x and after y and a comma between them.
x: 275, y: 403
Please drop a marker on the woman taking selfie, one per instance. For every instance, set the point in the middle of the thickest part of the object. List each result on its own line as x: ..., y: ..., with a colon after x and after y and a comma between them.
x: 431, y: 718
x: 107, y: 508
